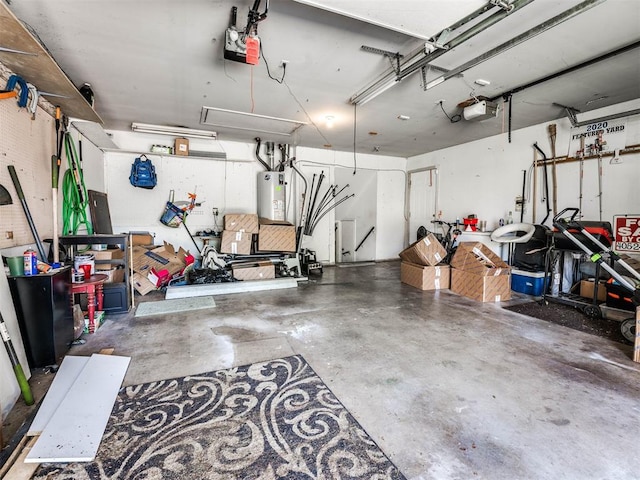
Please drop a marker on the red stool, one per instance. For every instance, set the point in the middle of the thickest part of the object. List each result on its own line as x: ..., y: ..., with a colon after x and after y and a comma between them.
x: 92, y: 286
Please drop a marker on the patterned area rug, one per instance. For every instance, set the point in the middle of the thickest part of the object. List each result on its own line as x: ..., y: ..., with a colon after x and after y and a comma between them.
x: 265, y: 421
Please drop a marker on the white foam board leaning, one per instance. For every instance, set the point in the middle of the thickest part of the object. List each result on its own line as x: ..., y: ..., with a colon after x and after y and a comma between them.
x: 230, y: 287
x: 75, y: 430
x: 67, y: 374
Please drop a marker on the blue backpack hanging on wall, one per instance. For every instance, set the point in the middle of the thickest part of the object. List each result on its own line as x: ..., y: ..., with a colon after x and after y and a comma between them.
x: 143, y: 173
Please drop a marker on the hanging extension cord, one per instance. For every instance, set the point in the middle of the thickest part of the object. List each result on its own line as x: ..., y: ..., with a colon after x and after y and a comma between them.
x: 75, y: 199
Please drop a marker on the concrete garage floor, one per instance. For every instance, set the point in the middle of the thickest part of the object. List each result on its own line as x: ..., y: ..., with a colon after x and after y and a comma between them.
x: 448, y: 387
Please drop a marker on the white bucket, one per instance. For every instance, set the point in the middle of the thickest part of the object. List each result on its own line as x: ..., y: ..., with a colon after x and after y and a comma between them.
x: 84, y: 260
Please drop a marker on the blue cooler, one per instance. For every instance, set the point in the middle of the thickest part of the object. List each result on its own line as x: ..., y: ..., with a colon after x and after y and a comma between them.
x: 530, y: 283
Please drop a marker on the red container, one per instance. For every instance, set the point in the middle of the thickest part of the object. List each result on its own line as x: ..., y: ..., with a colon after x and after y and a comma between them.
x: 470, y: 222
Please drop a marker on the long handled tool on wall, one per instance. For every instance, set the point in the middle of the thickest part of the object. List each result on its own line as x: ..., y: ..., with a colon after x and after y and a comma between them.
x: 581, y: 179
x: 15, y: 362
x: 55, y: 174
x: 546, y: 181
x: 599, y: 147
x: 534, y: 200
x: 554, y: 175
x: 25, y: 207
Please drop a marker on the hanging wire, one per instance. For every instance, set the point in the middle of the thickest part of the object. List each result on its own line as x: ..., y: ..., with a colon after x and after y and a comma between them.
x: 305, y: 112
x: 454, y: 118
x: 355, y: 116
x: 266, y: 64
x: 253, y: 104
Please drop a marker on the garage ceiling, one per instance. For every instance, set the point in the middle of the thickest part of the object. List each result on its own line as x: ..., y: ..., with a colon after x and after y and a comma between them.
x: 161, y: 62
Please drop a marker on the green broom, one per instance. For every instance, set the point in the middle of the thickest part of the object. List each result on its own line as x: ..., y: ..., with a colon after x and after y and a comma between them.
x: 17, y: 368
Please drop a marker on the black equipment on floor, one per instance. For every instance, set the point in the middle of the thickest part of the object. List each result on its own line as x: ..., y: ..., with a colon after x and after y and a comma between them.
x: 308, y: 262
x: 530, y: 256
x: 592, y: 238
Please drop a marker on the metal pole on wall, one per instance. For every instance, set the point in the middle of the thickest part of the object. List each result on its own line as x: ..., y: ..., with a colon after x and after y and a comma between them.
x: 25, y: 207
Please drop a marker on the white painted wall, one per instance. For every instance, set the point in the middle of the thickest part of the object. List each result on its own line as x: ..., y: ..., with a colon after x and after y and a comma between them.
x: 389, y: 201
x: 484, y: 177
x: 230, y: 186
x: 361, y: 208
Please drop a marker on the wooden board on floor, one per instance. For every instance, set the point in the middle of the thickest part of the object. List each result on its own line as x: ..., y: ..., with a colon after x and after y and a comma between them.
x: 74, y: 432
x: 18, y: 469
x: 67, y: 374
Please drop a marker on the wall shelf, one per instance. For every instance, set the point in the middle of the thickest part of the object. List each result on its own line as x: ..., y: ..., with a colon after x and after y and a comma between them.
x: 37, y: 67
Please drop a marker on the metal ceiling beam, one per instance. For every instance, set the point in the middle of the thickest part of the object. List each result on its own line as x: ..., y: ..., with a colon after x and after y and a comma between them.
x: 606, y: 118
x: 463, y: 37
x: 420, y: 58
x: 579, y: 66
x: 523, y: 37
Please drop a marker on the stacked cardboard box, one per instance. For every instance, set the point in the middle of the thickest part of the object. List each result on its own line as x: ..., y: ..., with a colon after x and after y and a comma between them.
x: 426, y: 251
x: 236, y: 243
x: 276, y: 236
x: 420, y: 265
x: 111, y: 254
x: 237, y: 236
x: 478, y: 273
x: 111, y: 270
x: 425, y: 277
x: 254, y: 270
x: 146, y: 264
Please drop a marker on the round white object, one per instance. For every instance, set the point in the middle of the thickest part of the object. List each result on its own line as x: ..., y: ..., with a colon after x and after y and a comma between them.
x: 507, y: 234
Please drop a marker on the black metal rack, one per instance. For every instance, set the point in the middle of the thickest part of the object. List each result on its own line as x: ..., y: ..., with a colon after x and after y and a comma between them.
x: 113, y: 292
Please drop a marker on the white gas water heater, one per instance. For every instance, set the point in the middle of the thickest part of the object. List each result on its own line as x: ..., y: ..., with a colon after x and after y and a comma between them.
x: 271, y: 187
x: 272, y: 196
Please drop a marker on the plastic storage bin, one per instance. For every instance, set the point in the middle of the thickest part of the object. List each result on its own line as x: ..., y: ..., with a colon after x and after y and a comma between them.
x: 529, y: 283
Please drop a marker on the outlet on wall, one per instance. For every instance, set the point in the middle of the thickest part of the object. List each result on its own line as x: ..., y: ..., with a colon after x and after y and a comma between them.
x: 215, y: 212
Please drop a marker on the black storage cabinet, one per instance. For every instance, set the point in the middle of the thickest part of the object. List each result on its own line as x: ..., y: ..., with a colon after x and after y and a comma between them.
x: 43, y: 308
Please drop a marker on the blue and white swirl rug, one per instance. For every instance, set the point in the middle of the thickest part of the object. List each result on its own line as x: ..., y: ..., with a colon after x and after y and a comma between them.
x: 265, y: 421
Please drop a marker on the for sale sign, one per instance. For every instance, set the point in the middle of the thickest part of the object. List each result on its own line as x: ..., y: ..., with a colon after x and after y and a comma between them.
x: 627, y: 233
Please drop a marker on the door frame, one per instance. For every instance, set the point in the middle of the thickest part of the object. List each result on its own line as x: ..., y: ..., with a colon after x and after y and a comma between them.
x: 407, y: 200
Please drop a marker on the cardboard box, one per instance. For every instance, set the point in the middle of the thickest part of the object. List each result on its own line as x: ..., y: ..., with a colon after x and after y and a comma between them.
x: 142, y: 284
x: 277, y: 238
x: 160, y: 258
x: 423, y: 277
x: 236, y: 243
x: 98, y: 320
x: 479, y: 259
x: 113, y: 254
x: 254, y: 271
x: 482, y: 288
x: 241, y: 222
x: 588, y: 286
x: 140, y: 239
x: 181, y: 147
x: 426, y: 251
x: 116, y: 275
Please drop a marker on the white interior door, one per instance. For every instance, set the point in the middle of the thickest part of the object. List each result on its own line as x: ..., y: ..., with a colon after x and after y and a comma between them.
x: 423, y: 200
x: 345, y: 241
